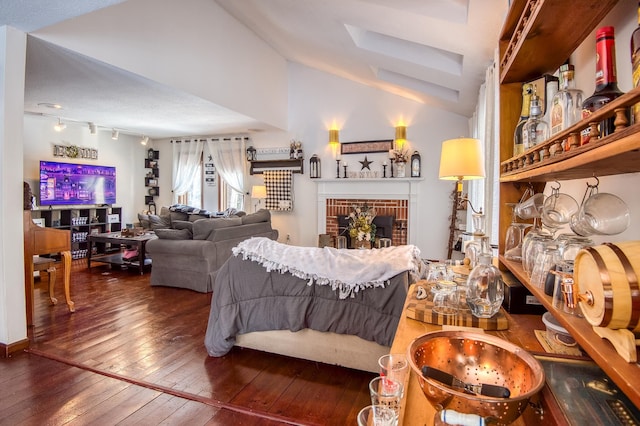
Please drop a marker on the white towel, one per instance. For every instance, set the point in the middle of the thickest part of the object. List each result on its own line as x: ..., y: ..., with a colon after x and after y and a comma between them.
x: 347, y: 271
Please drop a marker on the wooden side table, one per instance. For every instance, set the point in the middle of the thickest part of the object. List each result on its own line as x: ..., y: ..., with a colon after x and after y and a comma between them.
x: 416, y: 409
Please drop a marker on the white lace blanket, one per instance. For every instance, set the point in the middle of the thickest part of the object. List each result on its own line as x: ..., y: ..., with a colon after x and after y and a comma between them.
x: 347, y: 271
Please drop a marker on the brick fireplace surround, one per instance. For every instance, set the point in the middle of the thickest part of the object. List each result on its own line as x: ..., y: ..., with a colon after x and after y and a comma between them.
x: 395, y: 197
x: 398, y: 209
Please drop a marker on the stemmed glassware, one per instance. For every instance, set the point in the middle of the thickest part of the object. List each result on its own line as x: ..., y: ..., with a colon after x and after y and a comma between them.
x: 515, y: 236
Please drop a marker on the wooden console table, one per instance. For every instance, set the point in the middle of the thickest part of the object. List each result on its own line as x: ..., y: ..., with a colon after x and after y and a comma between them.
x: 416, y: 409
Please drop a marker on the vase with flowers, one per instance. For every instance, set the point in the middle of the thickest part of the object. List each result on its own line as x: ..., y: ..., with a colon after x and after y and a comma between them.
x: 361, y: 228
x: 400, y: 157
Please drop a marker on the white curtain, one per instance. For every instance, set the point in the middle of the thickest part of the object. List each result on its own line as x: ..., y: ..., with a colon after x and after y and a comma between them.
x: 229, y: 158
x: 186, y: 159
x: 484, y: 126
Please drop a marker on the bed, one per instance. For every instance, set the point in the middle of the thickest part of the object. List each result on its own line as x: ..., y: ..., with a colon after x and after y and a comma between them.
x: 272, y: 299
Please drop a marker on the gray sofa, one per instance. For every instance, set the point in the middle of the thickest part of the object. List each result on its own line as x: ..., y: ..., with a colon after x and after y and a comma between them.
x: 188, y: 253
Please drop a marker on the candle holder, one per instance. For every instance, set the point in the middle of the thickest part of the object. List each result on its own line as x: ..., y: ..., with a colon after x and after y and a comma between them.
x: 345, y: 171
x: 391, y: 168
x: 337, y: 169
x: 384, y: 170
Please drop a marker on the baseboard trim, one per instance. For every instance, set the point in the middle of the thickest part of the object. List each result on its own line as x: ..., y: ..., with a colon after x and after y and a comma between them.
x: 7, y: 350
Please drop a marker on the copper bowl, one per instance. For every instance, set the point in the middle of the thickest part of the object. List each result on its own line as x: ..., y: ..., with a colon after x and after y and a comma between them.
x: 476, y: 359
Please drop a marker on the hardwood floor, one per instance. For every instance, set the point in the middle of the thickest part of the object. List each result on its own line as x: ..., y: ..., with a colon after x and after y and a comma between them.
x: 134, y: 354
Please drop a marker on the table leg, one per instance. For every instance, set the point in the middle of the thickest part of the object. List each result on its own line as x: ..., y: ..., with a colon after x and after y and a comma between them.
x: 89, y: 254
x: 52, y: 282
x: 141, y: 257
x: 66, y: 262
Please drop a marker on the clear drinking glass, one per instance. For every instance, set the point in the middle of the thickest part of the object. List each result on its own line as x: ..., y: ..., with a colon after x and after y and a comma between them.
x: 514, y: 236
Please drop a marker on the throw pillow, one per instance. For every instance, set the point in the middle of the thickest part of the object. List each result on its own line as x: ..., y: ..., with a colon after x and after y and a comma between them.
x: 203, y: 228
x: 144, y: 220
x: 182, y: 224
x: 173, y: 234
x: 262, y: 215
x: 159, y: 222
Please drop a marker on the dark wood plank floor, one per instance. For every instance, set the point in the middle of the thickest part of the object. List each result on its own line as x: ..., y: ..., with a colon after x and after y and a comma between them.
x: 134, y: 354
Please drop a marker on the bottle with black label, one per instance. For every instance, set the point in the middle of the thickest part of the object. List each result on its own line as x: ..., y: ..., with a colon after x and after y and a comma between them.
x: 606, y: 82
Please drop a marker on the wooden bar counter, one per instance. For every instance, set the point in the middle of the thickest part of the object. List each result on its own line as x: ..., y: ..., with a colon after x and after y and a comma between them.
x: 416, y: 409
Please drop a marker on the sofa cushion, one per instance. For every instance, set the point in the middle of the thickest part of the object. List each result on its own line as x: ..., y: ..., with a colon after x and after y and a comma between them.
x: 182, y: 224
x: 160, y: 222
x: 173, y: 234
x: 203, y: 228
x: 262, y: 215
x: 144, y: 220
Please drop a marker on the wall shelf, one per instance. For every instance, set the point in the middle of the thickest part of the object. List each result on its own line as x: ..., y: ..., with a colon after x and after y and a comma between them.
x: 259, y: 166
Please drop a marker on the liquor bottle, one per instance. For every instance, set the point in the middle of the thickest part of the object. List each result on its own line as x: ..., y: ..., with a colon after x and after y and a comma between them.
x: 485, y: 291
x: 518, y: 147
x: 635, y: 65
x: 566, y: 106
x: 606, y: 82
x: 552, y: 87
x: 535, y: 129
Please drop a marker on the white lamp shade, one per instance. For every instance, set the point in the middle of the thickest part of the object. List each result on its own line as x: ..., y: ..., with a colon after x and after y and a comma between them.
x: 258, y: 191
x: 462, y: 159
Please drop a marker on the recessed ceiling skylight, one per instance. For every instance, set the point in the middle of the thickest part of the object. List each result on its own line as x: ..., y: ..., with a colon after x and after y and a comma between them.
x: 405, y: 50
x: 412, y: 83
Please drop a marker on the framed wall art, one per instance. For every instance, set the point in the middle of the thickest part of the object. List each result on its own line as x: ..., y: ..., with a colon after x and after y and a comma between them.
x: 366, y: 146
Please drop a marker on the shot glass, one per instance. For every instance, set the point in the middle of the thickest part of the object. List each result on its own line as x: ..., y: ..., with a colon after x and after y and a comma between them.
x: 377, y: 415
x: 387, y: 392
x: 394, y: 366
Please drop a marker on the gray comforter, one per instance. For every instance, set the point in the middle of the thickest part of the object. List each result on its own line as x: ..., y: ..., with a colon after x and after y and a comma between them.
x: 247, y: 298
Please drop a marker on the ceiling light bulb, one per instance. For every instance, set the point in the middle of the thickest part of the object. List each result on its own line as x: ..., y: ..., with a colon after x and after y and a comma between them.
x: 144, y: 140
x: 59, y: 126
x: 115, y: 134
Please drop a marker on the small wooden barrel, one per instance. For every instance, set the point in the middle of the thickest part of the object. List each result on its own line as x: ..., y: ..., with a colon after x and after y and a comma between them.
x: 606, y: 277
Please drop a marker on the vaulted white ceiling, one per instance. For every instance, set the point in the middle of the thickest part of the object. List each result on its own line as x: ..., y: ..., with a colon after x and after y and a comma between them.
x: 431, y: 51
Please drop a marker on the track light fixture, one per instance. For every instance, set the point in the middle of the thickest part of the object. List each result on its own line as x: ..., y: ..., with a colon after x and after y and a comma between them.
x: 114, y: 134
x: 92, y: 128
x: 59, y: 126
x: 144, y: 140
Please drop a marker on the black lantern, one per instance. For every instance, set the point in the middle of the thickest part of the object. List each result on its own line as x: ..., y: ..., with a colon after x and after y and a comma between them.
x: 251, y: 154
x: 314, y: 167
x: 415, y: 164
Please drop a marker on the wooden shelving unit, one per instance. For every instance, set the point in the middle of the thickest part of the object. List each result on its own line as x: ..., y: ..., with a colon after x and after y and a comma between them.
x: 538, y: 36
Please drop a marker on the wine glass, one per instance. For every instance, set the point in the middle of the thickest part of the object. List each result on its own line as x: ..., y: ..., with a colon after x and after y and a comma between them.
x: 515, y: 235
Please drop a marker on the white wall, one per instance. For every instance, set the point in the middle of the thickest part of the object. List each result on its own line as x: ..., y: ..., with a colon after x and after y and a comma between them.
x: 126, y: 154
x: 13, y: 321
x: 317, y: 100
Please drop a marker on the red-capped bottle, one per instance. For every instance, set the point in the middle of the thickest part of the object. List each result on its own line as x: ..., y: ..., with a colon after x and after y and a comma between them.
x: 606, y: 82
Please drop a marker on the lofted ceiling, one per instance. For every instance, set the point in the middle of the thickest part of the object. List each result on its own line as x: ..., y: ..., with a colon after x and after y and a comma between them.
x: 431, y: 51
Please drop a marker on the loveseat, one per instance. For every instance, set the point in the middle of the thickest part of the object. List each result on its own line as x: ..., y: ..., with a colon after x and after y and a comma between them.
x: 188, y: 253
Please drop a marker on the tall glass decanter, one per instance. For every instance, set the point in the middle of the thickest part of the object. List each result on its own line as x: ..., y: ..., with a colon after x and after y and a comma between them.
x: 535, y: 129
x: 484, y: 286
x: 566, y: 106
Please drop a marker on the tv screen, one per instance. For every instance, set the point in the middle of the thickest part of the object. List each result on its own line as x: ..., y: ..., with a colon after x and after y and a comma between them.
x: 70, y: 184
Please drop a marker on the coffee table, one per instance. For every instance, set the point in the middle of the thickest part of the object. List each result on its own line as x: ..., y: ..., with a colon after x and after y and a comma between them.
x: 116, y: 258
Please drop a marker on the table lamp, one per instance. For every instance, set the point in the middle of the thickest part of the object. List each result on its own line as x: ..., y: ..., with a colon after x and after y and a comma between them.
x: 462, y: 159
x: 258, y: 192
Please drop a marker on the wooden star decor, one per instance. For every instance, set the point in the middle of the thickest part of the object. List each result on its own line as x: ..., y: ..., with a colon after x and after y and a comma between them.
x: 365, y: 163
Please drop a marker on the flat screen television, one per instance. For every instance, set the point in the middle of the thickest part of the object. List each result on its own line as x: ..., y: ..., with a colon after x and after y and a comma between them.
x: 71, y: 184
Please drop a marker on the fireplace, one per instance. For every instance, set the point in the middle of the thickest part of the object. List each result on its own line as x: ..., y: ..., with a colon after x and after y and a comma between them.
x: 384, y: 227
x: 395, y: 197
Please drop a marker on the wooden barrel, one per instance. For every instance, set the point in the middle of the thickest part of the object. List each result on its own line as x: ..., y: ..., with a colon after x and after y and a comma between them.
x: 606, y: 277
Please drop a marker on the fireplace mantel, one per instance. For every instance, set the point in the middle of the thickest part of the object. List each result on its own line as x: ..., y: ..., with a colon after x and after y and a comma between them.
x: 380, y: 189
